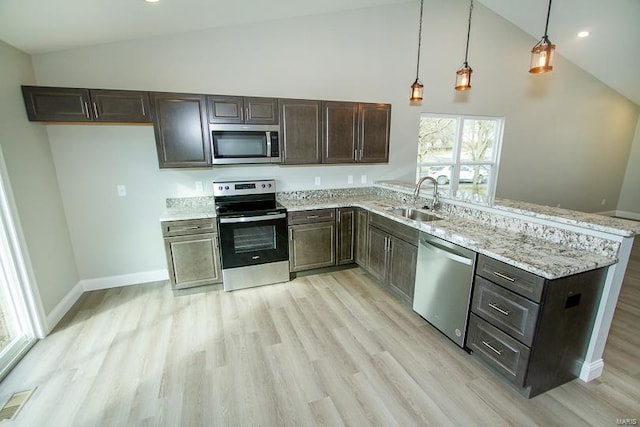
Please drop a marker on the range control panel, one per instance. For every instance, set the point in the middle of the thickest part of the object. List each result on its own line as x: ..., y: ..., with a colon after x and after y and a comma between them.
x: 239, y: 188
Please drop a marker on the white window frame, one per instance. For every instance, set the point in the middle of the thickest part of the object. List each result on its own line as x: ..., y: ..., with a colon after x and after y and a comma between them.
x: 456, y: 163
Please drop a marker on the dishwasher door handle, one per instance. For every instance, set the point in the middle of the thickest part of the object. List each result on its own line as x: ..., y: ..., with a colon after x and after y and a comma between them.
x: 450, y: 255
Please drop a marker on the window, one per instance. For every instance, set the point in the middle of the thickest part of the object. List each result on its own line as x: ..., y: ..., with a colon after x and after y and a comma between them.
x: 461, y: 153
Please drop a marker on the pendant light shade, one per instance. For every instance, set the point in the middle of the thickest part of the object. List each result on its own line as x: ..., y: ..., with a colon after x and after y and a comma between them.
x: 416, y: 91
x: 417, y: 87
x: 543, y: 52
x: 463, y: 75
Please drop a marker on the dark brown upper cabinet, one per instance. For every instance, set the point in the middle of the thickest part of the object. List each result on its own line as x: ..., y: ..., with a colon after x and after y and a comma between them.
x: 300, y: 131
x: 239, y: 109
x: 355, y: 132
x: 339, y: 132
x: 57, y: 104
x: 374, y: 122
x: 181, y: 129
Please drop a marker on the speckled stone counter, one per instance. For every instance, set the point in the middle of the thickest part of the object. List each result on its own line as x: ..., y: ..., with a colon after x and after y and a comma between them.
x: 541, y: 249
x: 538, y: 256
x: 187, y: 208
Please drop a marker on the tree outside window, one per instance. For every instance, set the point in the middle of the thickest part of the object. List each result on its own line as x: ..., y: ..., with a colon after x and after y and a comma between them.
x: 461, y: 153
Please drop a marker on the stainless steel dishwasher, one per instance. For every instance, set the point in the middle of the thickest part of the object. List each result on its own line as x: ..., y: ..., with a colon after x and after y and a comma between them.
x: 442, y: 293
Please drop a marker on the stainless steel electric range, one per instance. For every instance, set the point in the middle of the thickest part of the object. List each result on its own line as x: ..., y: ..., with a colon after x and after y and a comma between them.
x: 252, y: 227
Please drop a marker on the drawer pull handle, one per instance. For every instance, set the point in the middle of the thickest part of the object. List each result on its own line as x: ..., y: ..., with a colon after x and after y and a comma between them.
x: 498, y: 309
x: 502, y: 276
x: 189, y: 228
x: 312, y: 216
x: 492, y: 348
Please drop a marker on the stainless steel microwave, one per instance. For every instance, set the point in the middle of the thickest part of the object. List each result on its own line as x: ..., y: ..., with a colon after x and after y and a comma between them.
x: 233, y: 144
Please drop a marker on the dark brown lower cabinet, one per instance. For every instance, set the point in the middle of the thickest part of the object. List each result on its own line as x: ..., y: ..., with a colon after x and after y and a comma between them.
x: 392, y: 255
x: 360, y: 237
x: 531, y: 331
x: 312, y: 239
x: 345, y: 247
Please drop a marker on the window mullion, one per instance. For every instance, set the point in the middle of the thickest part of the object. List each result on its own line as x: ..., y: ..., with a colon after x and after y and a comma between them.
x: 457, y: 149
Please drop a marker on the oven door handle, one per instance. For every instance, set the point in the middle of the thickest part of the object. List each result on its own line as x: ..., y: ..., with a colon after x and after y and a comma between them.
x: 252, y: 218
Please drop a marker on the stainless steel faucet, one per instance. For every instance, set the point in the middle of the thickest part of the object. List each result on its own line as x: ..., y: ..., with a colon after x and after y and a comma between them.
x: 436, y: 196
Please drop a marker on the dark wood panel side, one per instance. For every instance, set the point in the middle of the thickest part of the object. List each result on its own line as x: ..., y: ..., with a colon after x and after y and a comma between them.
x: 339, y: 132
x: 362, y: 225
x: 225, y: 109
x: 182, y: 134
x: 345, y: 241
x: 57, y: 104
x: 375, y: 125
x: 120, y: 106
x: 300, y: 131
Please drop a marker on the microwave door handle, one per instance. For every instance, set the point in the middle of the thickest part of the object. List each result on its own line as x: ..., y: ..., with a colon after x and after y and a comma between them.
x: 268, y: 144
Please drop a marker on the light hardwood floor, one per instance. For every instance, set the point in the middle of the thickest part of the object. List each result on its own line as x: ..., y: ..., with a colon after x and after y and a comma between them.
x: 331, y: 349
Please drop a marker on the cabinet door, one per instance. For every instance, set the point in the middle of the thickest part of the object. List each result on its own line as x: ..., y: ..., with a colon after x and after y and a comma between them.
x: 225, y: 109
x: 57, y: 104
x: 362, y: 224
x: 312, y: 246
x: 182, y: 134
x: 261, y: 111
x: 339, y: 132
x: 402, y: 267
x: 374, y: 122
x: 346, y: 228
x: 193, y: 260
x: 120, y: 106
x: 377, y: 253
x: 300, y: 131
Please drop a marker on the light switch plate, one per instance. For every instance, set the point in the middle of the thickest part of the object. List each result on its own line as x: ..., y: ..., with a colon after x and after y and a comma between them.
x: 122, y: 190
x: 363, y: 179
x: 317, y: 180
x: 199, y: 187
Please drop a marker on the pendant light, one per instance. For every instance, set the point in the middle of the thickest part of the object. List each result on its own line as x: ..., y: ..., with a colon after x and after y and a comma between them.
x: 542, y: 52
x: 463, y: 75
x: 417, y: 87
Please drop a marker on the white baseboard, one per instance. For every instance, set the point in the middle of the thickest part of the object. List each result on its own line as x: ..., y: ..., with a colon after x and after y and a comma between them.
x: 63, y: 307
x: 100, y: 283
x: 591, y: 371
x: 124, y: 280
x: 628, y: 215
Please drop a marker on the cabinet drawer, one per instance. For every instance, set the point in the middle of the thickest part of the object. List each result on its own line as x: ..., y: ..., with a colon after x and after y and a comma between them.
x: 401, y: 231
x: 519, y: 281
x: 510, y: 312
x: 186, y: 227
x: 503, y: 353
x: 314, y: 215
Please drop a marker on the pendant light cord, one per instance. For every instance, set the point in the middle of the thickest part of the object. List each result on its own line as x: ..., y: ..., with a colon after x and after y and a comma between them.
x: 546, y: 27
x: 466, y: 52
x: 419, y: 39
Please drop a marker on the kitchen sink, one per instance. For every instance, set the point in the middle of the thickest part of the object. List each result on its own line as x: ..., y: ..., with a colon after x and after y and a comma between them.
x: 414, y: 214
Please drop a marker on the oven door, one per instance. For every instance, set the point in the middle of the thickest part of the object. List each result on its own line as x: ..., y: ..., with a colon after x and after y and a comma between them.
x: 253, y: 240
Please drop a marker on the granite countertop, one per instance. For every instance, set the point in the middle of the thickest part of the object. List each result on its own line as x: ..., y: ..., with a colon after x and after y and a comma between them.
x: 542, y: 257
x: 538, y: 256
x: 591, y: 221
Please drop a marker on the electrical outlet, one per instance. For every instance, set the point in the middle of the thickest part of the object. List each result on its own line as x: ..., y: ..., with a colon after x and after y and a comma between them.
x: 350, y: 179
x: 558, y: 205
x: 317, y: 180
x: 604, y: 202
x: 199, y: 187
x: 363, y: 179
x: 122, y: 190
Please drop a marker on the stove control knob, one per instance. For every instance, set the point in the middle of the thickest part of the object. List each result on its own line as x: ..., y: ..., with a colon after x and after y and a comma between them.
x: 269, y: 185
x: 263, y: 185
x: 220, y: 188
x: 226, y: 187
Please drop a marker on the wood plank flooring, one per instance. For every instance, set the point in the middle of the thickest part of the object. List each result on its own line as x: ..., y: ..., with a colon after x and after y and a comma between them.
x: 329, y: 350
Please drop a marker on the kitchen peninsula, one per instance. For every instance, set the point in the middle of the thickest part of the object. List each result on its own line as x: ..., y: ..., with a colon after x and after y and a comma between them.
x: 547, y: 242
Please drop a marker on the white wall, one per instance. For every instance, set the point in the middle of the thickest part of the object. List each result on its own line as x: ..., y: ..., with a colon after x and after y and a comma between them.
x: 629, y: 204
x: 362, y: 55
x: 34, y: 184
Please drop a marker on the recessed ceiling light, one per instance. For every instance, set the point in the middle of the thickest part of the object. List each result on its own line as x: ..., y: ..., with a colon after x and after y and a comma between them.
x: 152, y: 1
x: 581, y: 34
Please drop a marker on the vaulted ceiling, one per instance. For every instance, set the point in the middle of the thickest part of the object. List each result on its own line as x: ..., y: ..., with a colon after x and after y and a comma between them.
x: 611, y: 53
